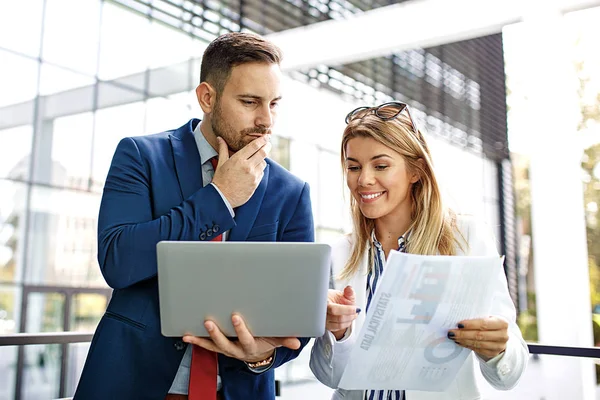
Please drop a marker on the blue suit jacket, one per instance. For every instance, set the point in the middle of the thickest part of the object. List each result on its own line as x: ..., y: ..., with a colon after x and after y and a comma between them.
x: 154, y: 192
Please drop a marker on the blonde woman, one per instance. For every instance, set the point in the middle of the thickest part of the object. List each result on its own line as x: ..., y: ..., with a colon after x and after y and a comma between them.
x: 396, y: 205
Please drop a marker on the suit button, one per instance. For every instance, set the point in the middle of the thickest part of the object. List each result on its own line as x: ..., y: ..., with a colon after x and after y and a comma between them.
x: 179, y: 345
x: 202, y: 236
x: 209, y: 232
x: 216, y: 228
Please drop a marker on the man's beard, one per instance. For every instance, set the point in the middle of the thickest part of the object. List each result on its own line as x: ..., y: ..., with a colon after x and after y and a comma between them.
x: 236, y: 141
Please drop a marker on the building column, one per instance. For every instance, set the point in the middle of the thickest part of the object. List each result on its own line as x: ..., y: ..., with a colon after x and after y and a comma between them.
x: 557, y: 208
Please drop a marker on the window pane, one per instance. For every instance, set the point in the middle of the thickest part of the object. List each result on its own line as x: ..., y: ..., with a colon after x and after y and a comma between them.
x: 113, y: 124
x: 15, y: 149
x: 8, y: 371
x: 55, y: 80
x: 73, y: 132
x: 196, y: 62
x: 331, y: 192
x: 280, y: 151
x: 77, y: 354
x: 21, y: 26
x: 172, y: 79
x: 12, y: 231
x: 9, y: 309
x: 65, y: 166
x: 122, y: 92
x: 302, y: 164
x: 81, y: 33
x: 45, y: 312
x: 124, y: 44
x: 459, y: 173
x: 41, y: 375
x: 87, y: 310
x: 62, y: 245
x: 9, y: 303
x: 325, y: 109
x: 18, y: 79
x: 169, y: 113
x: 169, y: 46
x: 328, y: 235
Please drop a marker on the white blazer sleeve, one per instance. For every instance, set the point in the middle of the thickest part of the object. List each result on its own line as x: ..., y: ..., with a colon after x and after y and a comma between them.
x: 328, y: 356
x: 502, y: 373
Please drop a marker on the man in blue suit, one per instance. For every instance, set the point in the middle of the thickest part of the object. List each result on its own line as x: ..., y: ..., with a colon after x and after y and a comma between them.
x: 161, y: 187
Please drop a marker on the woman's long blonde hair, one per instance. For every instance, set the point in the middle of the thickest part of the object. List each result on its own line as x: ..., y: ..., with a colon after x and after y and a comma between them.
x: 433, y: 227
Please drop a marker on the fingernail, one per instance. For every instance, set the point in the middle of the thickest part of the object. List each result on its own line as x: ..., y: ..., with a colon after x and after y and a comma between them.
x: 236, y: 320
x: 186, y: 339
x: 451, y: 335
x: 358, y: 310
x: 460, y: 326
x: 209, y: 326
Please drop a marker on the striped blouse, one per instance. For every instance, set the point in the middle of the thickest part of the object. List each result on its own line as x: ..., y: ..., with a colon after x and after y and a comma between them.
x: 372, y: 279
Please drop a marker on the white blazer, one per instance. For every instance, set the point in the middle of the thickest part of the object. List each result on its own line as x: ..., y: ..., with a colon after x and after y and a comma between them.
x: 329, y: 357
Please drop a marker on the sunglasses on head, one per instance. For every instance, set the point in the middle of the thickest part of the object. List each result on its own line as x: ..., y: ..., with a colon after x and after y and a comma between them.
x: 385, y: 112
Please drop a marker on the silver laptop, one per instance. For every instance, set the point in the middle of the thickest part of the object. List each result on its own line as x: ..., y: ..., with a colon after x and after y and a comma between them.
x: 280, y: 289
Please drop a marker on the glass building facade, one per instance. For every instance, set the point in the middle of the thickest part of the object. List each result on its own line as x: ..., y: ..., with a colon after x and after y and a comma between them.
x: 79, y: 75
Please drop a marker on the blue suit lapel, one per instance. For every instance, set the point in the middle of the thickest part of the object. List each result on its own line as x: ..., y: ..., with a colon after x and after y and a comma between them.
x: 187, y: 159
x: 189, y: 173
x: 245, y: 215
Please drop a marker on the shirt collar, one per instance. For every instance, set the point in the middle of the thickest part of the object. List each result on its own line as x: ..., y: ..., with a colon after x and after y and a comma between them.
x: 374, y: 239
x: 402, y: 240
x: 206, y: 150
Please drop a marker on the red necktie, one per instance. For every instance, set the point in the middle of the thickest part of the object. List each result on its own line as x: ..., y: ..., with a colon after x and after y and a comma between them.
x: 203, y: 371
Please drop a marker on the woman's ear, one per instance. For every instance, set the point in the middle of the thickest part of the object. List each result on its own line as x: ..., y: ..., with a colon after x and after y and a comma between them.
x: 416, y: 177
x: 207, y: 97
x: 416, y: 174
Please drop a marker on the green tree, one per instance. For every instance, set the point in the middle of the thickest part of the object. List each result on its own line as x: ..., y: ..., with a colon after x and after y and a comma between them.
x: 589, y: 104
x: 591, y: 195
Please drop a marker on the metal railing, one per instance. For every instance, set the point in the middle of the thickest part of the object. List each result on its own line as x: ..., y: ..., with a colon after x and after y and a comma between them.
x: 589, y: 352
x: 22, y: 339
x: 63, y: 338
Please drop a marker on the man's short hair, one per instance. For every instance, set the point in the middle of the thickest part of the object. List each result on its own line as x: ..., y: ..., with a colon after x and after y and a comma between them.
x: 233, y: 49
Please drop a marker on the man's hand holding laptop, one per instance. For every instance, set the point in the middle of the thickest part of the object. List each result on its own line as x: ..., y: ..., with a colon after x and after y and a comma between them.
x: 247, y: 347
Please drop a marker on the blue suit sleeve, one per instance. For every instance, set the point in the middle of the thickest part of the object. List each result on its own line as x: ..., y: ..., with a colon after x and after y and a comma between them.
x: 128, y: 232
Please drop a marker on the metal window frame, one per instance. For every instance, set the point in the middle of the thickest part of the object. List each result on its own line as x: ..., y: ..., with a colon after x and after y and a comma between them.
x: 43, y: 338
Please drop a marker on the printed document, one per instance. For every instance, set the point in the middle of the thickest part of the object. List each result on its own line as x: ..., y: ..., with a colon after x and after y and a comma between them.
x: 403, y: 343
